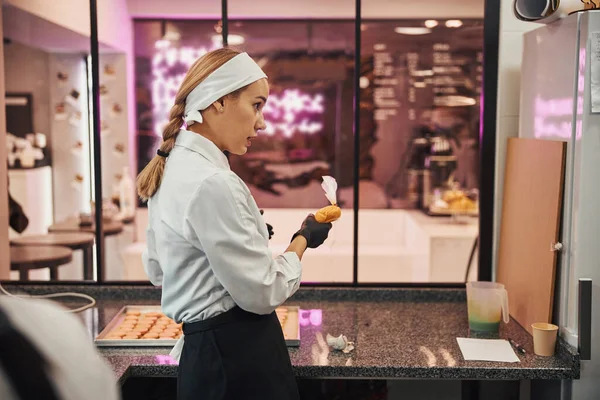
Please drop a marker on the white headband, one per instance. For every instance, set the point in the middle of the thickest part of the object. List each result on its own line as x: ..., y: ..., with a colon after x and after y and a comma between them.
x: 236, y: 73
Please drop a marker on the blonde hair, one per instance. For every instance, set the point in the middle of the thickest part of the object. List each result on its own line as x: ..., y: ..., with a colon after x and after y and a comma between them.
x: 148, y: 181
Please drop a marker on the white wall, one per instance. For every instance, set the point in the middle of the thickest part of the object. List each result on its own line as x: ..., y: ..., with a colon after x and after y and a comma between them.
x: 510, y: 62
x: 114, y: 25
x: 306, y: 9
x: 26, y: 71
x: 115, y: 29
x: 507, y: 120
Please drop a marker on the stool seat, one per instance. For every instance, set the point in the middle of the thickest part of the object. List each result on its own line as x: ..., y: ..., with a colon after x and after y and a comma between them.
x: 72, y: 240
x: 25, y: 258
x: 72, y: 225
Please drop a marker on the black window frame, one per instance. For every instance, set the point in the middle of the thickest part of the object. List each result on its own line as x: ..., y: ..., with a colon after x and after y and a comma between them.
x: 491, y: 22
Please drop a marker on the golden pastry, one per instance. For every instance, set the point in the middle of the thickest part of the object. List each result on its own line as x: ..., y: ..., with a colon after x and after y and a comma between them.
x: 150, y: 335
x: 464, y: 204
x: 132, y: 336
x: 450, y: 196
x: 328, y: 214
x: 153, y: 314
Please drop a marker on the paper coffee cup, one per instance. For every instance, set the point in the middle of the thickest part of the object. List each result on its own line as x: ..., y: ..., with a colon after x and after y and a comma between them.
x: 544, y: 338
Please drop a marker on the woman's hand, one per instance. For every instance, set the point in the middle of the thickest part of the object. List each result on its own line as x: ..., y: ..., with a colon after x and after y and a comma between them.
x: 314, y: 232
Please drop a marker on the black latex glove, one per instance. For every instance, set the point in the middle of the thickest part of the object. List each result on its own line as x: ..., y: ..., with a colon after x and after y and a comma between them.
x: 269, y: 227
x: 314, y: 232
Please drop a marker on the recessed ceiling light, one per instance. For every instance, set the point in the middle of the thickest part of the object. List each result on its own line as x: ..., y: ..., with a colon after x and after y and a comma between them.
x: 172, y: 35
x: 232, y: 39
x: 431, y: 23
x: 454, y: 23
x: 454, y: 101
x: 412, y: 30
x: 363, y: 82
x: 424, y: 72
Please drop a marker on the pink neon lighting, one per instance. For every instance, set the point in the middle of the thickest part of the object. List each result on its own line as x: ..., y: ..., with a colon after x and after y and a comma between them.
x: 310, y: 317
x: 553, y: 117
x: 165, y: 360
x: 286, y: 113
x: 169, y: 66
x: 289, y: 112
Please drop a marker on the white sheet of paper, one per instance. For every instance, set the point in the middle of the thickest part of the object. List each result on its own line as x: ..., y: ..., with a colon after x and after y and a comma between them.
x: 498, y: 350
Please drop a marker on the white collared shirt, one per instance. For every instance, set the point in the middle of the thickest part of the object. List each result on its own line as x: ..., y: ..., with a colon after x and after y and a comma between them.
x: 207, y: 244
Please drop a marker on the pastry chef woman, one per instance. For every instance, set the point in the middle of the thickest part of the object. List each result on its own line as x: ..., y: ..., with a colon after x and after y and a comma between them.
x: 207, y: 243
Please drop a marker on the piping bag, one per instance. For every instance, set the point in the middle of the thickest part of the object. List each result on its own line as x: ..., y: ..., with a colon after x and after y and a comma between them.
x: 332, y: 212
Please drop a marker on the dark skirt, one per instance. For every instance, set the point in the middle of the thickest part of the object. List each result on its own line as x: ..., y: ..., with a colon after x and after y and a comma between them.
x: 236, y: 355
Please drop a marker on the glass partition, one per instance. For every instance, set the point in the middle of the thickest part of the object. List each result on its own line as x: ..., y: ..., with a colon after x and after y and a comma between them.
x: 309, y: 134
x: 419, y: 163
x: 163, y: 50
x: 49, y: 147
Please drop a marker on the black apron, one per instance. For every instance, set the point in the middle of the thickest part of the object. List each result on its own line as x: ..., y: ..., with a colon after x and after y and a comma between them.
x: 236, y: 355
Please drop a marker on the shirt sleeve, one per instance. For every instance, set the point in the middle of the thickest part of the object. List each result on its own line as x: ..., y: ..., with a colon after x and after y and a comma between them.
x: 150, y: 257
x: 220, y: 220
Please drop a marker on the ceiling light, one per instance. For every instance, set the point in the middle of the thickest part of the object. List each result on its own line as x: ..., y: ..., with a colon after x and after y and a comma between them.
x: 454, y: 101
x: 363, y: 82
x: 424, y: 72
x: 412, y: 30
x: 232, y: 40
x: 454, y: 23
x: 431, y: 23
x: 172, y: 36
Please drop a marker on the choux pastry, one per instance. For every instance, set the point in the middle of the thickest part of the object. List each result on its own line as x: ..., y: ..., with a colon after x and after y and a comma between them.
x: 328, y: 214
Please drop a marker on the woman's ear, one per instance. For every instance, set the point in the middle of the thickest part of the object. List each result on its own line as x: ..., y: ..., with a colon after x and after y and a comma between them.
x: 219, y: 105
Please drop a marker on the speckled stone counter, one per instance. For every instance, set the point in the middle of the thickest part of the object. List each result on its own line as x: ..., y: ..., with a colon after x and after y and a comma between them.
x: 398, y: 333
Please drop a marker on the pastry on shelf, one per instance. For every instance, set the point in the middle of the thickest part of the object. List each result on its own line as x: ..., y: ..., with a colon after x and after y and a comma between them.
x: 463, y: 204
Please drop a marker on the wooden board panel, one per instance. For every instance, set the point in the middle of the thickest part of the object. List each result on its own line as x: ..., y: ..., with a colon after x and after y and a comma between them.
x: 531, y: 212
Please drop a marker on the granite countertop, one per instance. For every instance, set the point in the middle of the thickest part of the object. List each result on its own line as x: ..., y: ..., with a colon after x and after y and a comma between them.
x: 398, y: 333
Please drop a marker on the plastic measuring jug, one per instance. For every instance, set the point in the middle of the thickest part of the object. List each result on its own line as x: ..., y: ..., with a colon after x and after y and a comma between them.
x: 487, y: 305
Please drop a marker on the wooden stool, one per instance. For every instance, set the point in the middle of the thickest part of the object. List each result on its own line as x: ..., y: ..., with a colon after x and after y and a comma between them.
x: 74, y: 240
x: 24, y: 258
x: 109, y: 228
x: 72, y: 225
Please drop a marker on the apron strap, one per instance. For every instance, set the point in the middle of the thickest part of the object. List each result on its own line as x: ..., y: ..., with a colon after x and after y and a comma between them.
x: 236, y: 314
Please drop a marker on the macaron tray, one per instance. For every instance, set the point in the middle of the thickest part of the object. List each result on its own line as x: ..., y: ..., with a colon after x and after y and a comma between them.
x: 147, y: 326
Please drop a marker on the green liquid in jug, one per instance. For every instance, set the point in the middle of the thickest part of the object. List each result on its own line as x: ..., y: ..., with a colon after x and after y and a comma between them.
x: 484, y: 326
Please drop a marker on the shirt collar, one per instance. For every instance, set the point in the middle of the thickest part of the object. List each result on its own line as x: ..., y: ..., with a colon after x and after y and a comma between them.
x: 198, y: 143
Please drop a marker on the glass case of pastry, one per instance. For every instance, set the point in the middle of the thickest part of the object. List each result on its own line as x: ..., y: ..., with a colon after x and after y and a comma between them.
x: 453, y: 201
x: 443, y: 194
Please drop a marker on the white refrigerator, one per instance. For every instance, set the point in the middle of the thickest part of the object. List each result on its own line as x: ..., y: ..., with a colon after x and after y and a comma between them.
x: 559, y: 75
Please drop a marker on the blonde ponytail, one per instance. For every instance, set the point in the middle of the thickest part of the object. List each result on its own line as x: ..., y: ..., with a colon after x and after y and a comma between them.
x: 149, y: 180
